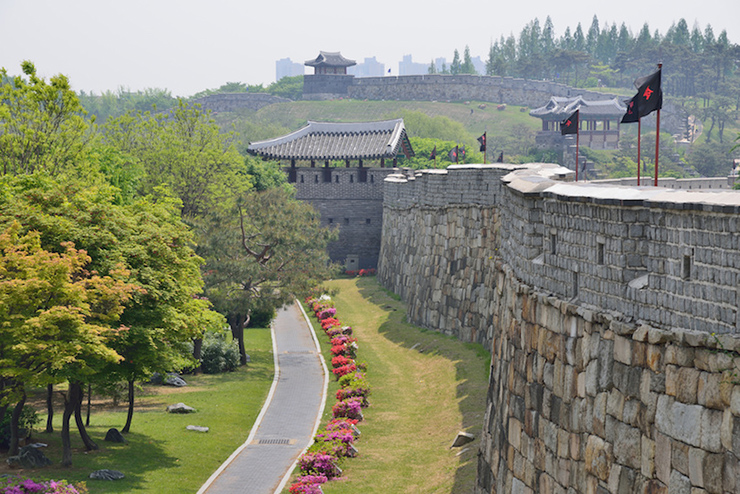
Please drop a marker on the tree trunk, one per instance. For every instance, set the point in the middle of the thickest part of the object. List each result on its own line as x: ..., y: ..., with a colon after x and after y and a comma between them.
x: 89, y: 398
x: 130, y: 415
x: 69, y: 407
x: 14, y: 432
x: 49, y: 408
x: 89, y: 443
x: 238, y: 322
x: 197, y: 353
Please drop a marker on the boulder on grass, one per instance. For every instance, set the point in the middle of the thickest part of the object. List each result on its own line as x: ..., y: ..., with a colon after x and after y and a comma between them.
x: 106, y: 474
x: 29, y: 457
x: 180, y: 408
x: 173, y: 379
x: 114, y: 436
x: 197, y: 428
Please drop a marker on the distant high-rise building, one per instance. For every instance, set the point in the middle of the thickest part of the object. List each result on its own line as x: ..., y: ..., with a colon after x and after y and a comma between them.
x: 408, y: 67
x: 441, y: 64
x: 285, y: 67
x: 369, y: 68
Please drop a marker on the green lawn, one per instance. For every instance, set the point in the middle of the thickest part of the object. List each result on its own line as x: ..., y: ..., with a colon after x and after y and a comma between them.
x: 161, y: 456
x: 425, y: 388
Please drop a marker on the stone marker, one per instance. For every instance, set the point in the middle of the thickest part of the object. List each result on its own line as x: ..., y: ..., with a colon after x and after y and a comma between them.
x: 29, y: 457
x: 197, y: 428
x: 173, y: 379
x: 462, y: 439
x: 114, y: 436
x: 180, y: 408
x: 106, y: 474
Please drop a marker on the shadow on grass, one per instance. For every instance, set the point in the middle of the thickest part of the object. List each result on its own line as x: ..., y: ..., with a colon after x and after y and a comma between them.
x: 472, y: 365
x: 136, y: 459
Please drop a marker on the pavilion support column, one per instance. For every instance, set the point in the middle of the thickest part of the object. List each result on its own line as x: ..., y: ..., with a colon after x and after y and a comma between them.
x: 313, y: 164
x: 395, y: 163
x: 292, y: 163
x: 382, y: 162
x: 326, y: 164
x: 346, y: 163
x: 360, y: 160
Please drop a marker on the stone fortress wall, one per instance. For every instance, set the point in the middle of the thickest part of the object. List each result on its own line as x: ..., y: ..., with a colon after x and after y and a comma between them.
x: 611, y: 313
x: 351, y: 200
x: 441, y: 87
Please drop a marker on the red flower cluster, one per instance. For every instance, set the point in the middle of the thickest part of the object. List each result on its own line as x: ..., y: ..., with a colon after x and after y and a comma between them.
x: 361, y: 272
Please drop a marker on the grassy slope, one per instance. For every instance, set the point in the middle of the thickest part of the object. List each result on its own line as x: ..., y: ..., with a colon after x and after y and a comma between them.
x: 161, y: 456
x: 425, y: 388
x: 295, y: 114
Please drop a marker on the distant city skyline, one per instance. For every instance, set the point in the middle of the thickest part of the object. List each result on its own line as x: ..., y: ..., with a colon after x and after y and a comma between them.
x: 187, y: 46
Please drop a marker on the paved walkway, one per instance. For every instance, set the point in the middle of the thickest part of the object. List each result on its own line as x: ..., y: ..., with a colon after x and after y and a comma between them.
x: 288, y: 419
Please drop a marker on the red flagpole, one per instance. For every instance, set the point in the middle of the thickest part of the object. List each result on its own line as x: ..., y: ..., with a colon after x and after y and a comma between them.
x: 657, y: 136
x: 639, y: 165
x: 578, y: 135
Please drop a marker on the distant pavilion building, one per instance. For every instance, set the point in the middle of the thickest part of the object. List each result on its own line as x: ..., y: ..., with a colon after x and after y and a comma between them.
x: 329, y: 62
x: 599, y: 121
x: 330, y: 76
x: 349, y: 197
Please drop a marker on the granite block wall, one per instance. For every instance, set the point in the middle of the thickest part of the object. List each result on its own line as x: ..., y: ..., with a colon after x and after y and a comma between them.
x: 355, y: 208
x: 611, y: 314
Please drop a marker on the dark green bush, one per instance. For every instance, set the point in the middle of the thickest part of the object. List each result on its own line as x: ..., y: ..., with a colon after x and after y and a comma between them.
x: 219, y: 354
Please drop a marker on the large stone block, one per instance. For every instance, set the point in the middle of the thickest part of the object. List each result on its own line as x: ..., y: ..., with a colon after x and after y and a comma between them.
x: 598, y: 457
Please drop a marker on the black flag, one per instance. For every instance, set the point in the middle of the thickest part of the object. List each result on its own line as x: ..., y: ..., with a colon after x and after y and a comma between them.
x: 570, y: 124
x: 649, y: 98
x: 632, y: 115
x: 649, y: 94
x: 453, y: 154
x: 482, y: 140
x: 433, y: 156
x: 500, y: 158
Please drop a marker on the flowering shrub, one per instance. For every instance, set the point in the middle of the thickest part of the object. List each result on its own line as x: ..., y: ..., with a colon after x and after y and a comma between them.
x: 328, y: 323
x: 18, y: 485
x: 331, y: 332
x: 351, y: 408
x: 345, y: 369
x: 349, y: 379
x: 319, y: 464
x: 326, y: 313
x: 340, y: 360
x: 307, y: 484
x: 339, y: 350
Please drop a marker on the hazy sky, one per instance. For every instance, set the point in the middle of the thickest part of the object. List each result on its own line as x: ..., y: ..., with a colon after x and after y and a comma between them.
x: 188, y: 45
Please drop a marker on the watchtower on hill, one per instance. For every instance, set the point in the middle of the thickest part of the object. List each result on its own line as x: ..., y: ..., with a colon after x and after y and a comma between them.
x: 348, y: 197
x: 330, y: 76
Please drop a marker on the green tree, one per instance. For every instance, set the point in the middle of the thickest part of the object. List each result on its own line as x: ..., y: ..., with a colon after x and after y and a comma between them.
x: 183, y: 150
x: 456, y: 64
x: 42, y: 125
x: 259, y: 251
x: 56, y: 320
x: 467, y: 66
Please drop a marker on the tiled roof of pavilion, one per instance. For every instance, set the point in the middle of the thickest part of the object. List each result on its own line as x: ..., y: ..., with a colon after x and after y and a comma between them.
x: 330, y: 59
x: 559, y: 108
x: 338, y: 141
